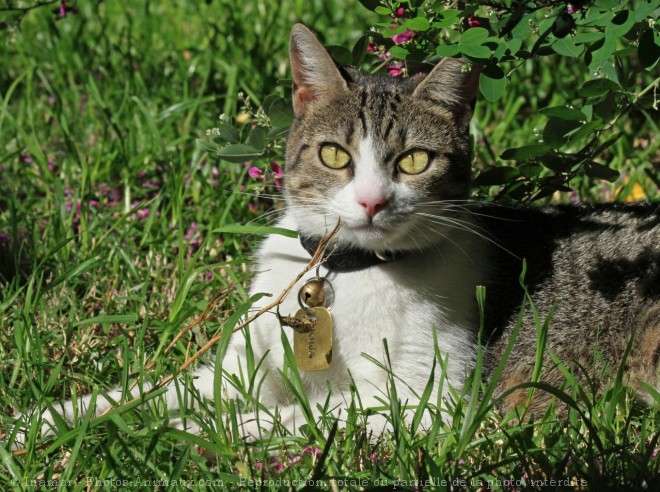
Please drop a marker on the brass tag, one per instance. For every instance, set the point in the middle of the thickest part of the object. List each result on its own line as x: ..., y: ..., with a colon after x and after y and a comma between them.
x: 313, y: 349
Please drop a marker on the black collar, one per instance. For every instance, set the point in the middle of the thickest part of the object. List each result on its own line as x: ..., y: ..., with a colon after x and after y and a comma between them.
x: 347, y: 259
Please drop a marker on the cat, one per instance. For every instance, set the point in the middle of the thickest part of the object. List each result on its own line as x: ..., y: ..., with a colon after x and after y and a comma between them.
x: 390, y: 161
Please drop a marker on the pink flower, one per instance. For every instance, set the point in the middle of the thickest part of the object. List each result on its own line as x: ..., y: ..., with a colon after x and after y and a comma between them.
x: 274, y: 465
x: 143, y: 213
x: 572, y: 9
x: 277, y: 173
x: 371, y: 48
x: 403, y: 37
x: 190, y: 232
x: 252, y: 208
x: 396, y: 69
x: 399, y: 12
x: 63, y: 10
x: 473, y: 21
x: 254, y: 172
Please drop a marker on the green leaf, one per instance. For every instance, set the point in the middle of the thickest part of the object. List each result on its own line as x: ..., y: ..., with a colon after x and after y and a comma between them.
x: 258, y: 230
x: 257, y: 138
x: 399, y: 52
x: 359, y: 50
x: 599, y: 54
x: 598, y: 17
x: 587, y: 37
x: 492, y: 82
x: 585, y: 130
x: 125, y: 319
x: 513, y: 45
x: 595, y: 170
x: 382, y: 10
x: 371, y: 5
x: 447, y: 18
x: 340, y: 54
x: 567, y: 47
x: 238, y: 153
x: 564, y: 113
x: 530, y: 170
x: 644, y: 8
x: 556, y: 162
x: 476, y: 51
x: 280, y: 113
x: 556, y: 131
x: 448, y: 50
x: 526, y: 152
x: 622, y: 22
x: 649, y: 48
x: 473, y: 37
x: 597, y: 87
x: 497, y: 175
x: 522, y: 28
x: 74, y: 271
x: 417, y: 24
x: 229, y: 133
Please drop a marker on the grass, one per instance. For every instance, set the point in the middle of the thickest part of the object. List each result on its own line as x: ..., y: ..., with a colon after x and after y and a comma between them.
x: 108, y: 209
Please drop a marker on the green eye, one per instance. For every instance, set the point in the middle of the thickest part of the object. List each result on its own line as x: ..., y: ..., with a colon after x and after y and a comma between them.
x: 414, y: 162
x: 334, y: 156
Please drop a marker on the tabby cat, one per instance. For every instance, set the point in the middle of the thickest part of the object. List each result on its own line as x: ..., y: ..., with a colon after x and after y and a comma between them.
x: 389, y: 159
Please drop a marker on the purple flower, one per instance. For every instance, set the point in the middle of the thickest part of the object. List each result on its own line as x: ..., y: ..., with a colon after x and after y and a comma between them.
x: 4, y: 238
x: 403, y: 37
x: 143, y: 213
x: 572, y: 9
x: 27, y: 159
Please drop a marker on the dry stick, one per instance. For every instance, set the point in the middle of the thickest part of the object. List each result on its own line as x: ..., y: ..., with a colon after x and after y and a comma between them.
x: 316, y: 258
x: 318, y: 254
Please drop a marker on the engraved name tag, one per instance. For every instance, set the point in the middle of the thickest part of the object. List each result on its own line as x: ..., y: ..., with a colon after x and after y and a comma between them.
x: 313, y: 349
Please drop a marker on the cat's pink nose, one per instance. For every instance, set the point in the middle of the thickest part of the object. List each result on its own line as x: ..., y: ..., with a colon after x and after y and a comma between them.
x: 373, y: 205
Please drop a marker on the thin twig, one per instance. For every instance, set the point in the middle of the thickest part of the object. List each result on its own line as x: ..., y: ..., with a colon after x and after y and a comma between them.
x: 318, y: 254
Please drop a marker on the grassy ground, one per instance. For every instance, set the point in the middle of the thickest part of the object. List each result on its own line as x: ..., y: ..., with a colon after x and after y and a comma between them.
x: 108, y: 209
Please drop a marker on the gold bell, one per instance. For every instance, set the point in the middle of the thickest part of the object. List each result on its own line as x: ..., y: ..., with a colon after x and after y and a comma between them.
x: 312, y: 293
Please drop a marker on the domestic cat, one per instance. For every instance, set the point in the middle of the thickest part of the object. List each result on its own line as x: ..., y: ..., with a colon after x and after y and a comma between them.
x: 390, y: 161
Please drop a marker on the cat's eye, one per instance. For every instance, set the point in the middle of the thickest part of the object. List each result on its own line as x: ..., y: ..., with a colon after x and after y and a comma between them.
x: 334, y: 156
x: 414, y: 162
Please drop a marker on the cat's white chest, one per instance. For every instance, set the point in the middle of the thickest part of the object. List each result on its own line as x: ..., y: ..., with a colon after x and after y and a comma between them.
x: 402, y: 302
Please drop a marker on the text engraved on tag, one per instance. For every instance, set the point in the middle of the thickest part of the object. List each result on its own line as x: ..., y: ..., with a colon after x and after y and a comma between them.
x: 313, y: 349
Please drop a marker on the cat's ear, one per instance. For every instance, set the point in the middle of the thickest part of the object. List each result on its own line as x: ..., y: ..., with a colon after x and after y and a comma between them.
x: 315, y: 74
x: 451, y: 83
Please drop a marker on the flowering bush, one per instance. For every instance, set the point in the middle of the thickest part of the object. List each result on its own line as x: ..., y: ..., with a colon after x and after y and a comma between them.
x: 612, y: 46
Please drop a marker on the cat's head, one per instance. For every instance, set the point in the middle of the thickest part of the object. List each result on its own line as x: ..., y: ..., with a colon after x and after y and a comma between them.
x: 384, y: 155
